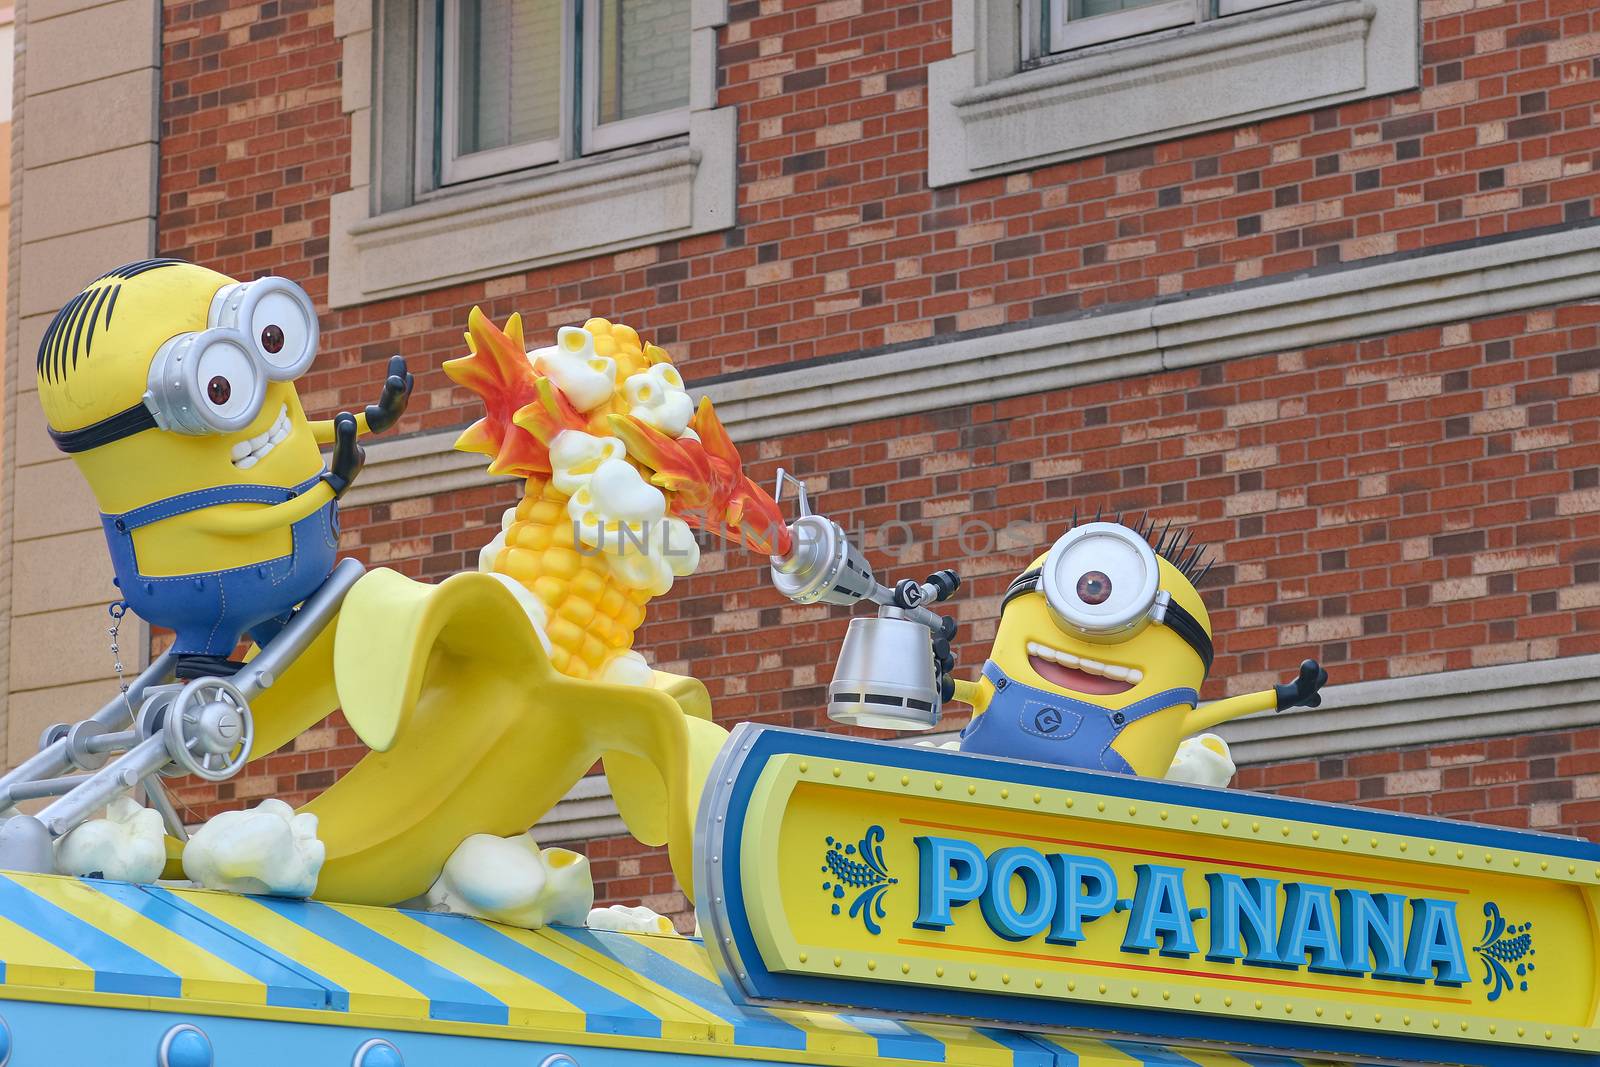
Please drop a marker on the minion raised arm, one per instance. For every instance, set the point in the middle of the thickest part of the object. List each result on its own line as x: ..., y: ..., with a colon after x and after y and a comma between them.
x: 1102, y: 647
x: 171, y: 386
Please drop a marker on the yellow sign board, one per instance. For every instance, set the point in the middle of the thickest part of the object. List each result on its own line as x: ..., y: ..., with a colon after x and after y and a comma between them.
x: 844, y: 872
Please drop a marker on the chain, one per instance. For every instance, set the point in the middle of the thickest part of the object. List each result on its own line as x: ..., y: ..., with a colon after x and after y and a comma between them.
x: 117, y: 610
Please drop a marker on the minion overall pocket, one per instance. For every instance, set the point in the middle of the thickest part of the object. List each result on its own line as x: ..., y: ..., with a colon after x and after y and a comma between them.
x: 210, y: 611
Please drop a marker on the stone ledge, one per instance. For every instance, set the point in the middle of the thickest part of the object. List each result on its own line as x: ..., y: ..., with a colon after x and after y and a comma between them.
x: 1217, y: 73
x: 1385, y: 297
x: 573, y: 211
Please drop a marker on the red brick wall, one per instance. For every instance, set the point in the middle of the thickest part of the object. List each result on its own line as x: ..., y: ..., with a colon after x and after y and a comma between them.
x: 1397, y: 505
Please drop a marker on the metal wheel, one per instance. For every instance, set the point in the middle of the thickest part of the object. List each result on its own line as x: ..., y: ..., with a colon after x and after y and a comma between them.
x: 208, y: 730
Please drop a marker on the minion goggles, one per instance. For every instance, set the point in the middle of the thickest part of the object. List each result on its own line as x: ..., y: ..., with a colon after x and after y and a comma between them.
x: 1101, y: 582
x: 215, y: 381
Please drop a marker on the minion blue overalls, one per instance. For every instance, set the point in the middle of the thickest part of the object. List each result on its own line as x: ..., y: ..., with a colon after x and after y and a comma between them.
x: 1027, y: 723
x: 210, y: 611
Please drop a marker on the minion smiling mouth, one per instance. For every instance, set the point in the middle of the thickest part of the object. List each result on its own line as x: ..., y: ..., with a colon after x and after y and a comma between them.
x: 249, y: 452
x: 1079, y: 674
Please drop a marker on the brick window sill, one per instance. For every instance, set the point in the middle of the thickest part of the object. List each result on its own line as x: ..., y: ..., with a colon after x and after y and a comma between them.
x: 1220, y: 73
x: 573, y: 211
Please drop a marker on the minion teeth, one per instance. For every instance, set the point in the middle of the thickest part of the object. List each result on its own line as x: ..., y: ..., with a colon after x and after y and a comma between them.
x: 1132, y: 675
x: 248, y: 453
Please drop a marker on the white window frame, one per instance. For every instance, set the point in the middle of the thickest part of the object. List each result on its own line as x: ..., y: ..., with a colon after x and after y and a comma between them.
x: 1237, y: 7
x: 1067, y: 33
x: 605, y: 137
x: 439, y: 169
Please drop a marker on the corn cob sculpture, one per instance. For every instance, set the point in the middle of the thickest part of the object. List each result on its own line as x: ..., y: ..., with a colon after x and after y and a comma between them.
x: 619, y: 466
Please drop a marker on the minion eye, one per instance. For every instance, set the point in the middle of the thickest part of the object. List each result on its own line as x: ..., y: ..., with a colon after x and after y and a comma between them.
x: 1094, y: 587
x: 282, y: 331
x: 228, y: 379
x: 1100, y: 579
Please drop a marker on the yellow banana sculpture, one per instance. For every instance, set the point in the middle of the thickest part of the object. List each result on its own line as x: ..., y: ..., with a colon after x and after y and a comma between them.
x: 472, y: 730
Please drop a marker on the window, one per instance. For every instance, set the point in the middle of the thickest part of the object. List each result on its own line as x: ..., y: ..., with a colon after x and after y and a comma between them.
x: 508, y: 85
x: 1079, y: 23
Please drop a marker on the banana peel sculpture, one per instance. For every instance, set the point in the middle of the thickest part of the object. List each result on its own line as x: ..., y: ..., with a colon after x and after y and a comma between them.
x: 483, y: 709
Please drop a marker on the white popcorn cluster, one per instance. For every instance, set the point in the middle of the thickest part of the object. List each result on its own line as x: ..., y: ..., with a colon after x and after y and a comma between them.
x: 511, y: 880
x: 657, y: 396
x: 126, y: 846
x: 268, y: 850
x: 623, y: 919
x: 615, y: 511
x: 586, y: 377
x: 1202, y: 760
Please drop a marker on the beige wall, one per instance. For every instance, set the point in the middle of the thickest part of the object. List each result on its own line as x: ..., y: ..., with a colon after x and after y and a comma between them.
x: 84, y: 140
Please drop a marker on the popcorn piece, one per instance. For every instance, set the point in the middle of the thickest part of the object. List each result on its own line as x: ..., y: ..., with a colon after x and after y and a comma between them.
x: 657, y: 396
x: 127, y: 845
x: 627, y: 668
x: 586, y: 377
x: 268, y: 850
x: 511, y: 880
x: 640, y: 920
x: 1202, y: 760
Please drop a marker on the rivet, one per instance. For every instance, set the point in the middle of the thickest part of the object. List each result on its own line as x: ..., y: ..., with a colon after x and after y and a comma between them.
x: 1316, y: 835
x: 1377, y: 1016
x: 378, y: 1053
x: 905, y: 968
x: 1373, y: 843
x: 1460, y: 853
x: 972, y: 790
x: 1494, y: 1028
x: 1318, y: 1010
x: 1572, y: 868
x: 872, y: 776
x: 905, y: 779
x: 938, y: 785
x: 1005, y: 794
x: 1227, y: 1002
x: 1575, y: 1037
x: 1548, y: 1035
x: 1072, y: 986
x: 1037, y: 797
x: 1406, y: 1019
x: 1344, y: 839
x: 1226, y: 822
x: 1464, y: 1025
x: 1522, y: 1031
x: 1166, y: 994
x: 838, y: 961
x: 938, y: 972
x: 804, y: 766
x: 1163, y: 814
x: 1404, y: 845
x: 1197, y: 998
x: 186, y: 1045
x: 1284, y: 831
x: 1134, y: 992
x: 872, y: 965
x: 1070, y: 802
x: 804, y: 956
x: 837, y: 771
x: 1433, y: 850
x: 1005, y: 979
x: 1102, y: 988
x: 1255, y: 828
x: 1133, y: 809
x: 1488, y: 857
x: 1038, y: 983
x: 1258, y: 1005
x: 1288, y: 1009
x: 1194, y: 819
x: 1100, y: 805
x: 1348, y: 1014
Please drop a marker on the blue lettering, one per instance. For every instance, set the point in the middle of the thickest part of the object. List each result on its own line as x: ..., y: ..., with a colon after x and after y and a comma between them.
x: 1435, y: 943
x: 1372, y: 934
x: 951, y: 873
x: 1038, y: 894
x: 1160, y: 909
x: 1308, y: 927
x: 1247, y: 907
x: 1086, y: 889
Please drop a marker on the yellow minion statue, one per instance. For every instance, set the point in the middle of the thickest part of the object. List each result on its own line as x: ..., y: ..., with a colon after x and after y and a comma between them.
x: 172, y: 387
x: 1101, y: 651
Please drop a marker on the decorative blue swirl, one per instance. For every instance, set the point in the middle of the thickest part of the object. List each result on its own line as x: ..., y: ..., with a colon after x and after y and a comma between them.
x: 859, y: 868
x: 1502, y: 948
